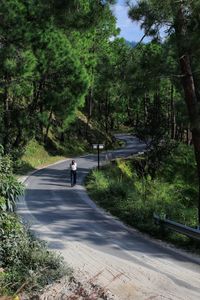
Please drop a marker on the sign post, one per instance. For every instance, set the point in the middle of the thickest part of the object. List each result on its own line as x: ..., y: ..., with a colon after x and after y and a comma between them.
x: 98, y: 147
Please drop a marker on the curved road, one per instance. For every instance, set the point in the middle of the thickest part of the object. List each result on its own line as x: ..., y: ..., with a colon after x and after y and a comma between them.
x: 121, y: 259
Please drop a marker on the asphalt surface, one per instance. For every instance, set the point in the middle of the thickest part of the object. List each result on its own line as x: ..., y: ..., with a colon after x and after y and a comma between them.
x: 73, y: 225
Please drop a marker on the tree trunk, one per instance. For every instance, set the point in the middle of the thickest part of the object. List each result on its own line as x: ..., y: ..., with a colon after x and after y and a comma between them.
x: 157, y: 109
x: 172, y: 114
x: 18, y: 139
x: 181, y: 133
x: 137, y: 120
x: 36, y: 96
x: 106, y: 114
x: 89, y: 100
x: 188, y: 86
x: 145, y: 107
x: 131, y: 116
x: 40, y: 121
x: 6, y: 121
x: 48, y: 126
x: 62, y: 137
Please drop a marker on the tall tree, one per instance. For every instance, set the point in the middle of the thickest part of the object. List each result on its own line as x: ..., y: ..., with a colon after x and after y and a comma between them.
x: 178, y: 17
x: 43, y: 75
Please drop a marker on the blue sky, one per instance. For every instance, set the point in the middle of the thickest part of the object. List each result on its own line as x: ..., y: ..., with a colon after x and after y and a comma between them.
x: 129, y: 30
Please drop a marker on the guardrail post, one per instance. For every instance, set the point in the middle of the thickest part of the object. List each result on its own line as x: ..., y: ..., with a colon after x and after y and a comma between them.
x: 163, y: 229
x: 98, y: 156
x: 180, y: 228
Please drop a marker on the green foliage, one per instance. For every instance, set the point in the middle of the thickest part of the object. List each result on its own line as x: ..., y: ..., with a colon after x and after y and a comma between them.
x: 6, y: 165
x: 182, y: 20
x: 134, y: 196
x: 10, y: 188
x: 46, y: 58
x: 158, y: 150
x: 25, y: 260
x: 35, y: 156
x: 3, y: 206
x: 108, y: 93
x: 98, y: 181
x: 125, y: 168
x: 179, y: 165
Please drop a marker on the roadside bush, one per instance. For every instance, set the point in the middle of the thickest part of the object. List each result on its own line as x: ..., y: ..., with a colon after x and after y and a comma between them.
x: 118, y: 189
x: 6, y: 165
x: 180, y: 165
x: 10, y: 188
x: 134, y: 196
x: 25, y: 261
x: 125, y: 168
x: 3, y: 206
x: 98, y: 181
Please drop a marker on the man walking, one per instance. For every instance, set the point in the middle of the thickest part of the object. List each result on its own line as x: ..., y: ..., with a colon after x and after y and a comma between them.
x: 73, y: 168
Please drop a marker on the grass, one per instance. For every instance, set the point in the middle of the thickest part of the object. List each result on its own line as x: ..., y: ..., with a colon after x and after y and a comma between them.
x: 133, y: 198
x: 35, y: 156
x: 77, y: 140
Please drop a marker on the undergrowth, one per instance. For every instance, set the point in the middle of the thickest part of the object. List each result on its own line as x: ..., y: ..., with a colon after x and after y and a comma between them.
x: 34, y: 156
x: 25, y: 262
x: 134, y: 196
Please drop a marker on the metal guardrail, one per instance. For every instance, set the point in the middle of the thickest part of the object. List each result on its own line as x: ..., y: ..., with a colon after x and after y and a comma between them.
x: 180, y: 228
x: 110, y: 157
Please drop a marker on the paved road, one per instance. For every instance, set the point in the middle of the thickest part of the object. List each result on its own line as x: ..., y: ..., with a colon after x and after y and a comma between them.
x: 130, y: 264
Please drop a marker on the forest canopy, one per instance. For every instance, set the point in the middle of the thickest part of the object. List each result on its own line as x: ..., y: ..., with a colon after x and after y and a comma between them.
x: 60, y: 60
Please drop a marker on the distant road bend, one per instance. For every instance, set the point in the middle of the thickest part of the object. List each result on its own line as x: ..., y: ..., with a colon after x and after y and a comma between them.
x: 130, y: 264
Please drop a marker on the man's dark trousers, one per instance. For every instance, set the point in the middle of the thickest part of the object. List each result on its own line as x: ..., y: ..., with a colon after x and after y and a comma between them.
x: 73, y: 177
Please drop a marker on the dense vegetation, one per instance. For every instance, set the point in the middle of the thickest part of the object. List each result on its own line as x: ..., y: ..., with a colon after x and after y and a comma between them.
x: 25, y: 262
x: 127, y: 190
x: 60, y: 58
x: 48, y: 63
x: 67, y: 80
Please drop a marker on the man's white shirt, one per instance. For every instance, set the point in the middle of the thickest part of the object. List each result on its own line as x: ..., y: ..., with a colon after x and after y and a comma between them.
x: 73, y: 166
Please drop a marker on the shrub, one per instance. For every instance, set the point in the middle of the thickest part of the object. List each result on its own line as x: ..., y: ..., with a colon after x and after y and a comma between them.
x: 134, y: 196
x: 118, y: 189
x: 98, y: 181
x: 3, y: 206
x: 25, y: 260
x: 180, y: 165
x: 6, y: 165
x: 125, y: 168
x: 10, y: 188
